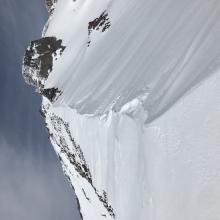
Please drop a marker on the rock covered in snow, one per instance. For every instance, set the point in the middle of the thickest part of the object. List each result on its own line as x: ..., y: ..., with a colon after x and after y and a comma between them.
x: 50, y: 5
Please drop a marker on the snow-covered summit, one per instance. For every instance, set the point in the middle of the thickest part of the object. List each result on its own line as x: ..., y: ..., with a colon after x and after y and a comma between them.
x: 131, y: 102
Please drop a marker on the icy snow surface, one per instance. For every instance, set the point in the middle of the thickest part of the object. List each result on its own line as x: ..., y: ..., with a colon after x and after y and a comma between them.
x: 140, y: 96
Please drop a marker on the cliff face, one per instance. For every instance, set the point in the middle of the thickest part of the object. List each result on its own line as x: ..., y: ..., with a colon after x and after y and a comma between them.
x: 39, y: 58
x: 38, y: 63
x: 131, y: 102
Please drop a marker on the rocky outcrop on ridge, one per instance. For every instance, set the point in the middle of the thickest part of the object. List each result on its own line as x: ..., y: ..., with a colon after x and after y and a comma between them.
x: 38, y: 63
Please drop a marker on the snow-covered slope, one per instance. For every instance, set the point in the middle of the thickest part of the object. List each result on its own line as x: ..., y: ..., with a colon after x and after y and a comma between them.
x: 132, y: 104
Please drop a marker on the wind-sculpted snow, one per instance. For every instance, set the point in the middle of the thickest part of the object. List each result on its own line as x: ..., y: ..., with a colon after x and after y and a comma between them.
x: 160, y: 48
x: 128, y: 148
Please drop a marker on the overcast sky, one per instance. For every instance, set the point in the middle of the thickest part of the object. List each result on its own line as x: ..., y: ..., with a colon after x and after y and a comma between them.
x: 32, y: 185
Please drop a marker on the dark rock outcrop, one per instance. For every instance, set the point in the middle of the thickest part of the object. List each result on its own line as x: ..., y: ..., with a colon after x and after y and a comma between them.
x: 52, y: 93
x: 101, y: 23
x: 38, y: 62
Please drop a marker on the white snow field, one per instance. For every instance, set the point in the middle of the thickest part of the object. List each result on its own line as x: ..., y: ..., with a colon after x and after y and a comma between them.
x: 165, y: 170
x: 137, y: 126
x: 156, y: 47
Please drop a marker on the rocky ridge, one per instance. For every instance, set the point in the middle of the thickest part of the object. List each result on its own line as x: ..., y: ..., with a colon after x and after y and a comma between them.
x: 38, y: 63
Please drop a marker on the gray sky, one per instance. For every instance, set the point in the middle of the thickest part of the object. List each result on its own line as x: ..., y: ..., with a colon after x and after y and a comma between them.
x: 32, y: 185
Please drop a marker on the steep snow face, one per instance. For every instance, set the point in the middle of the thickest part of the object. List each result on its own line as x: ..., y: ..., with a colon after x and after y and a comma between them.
x: 93, y: 203
x: 167, y: 169
x: 132, y: 105
x: 160, y: 48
